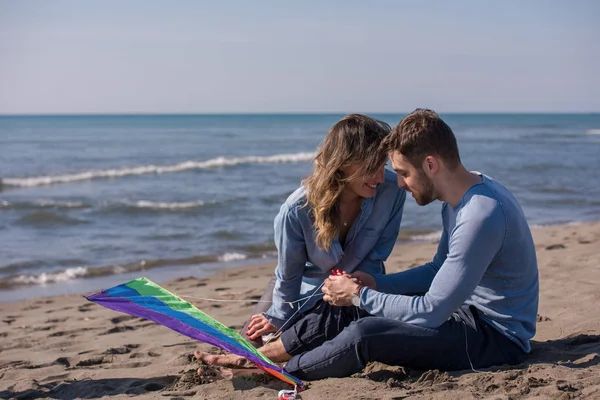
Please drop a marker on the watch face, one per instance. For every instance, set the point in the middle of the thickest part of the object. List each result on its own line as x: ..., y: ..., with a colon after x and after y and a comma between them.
x: 355, y: 300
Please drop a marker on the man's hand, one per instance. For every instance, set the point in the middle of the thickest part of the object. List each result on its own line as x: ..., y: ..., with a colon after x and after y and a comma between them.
x: 258, y: 326
x: 365, y: 279
x: 338, y: 290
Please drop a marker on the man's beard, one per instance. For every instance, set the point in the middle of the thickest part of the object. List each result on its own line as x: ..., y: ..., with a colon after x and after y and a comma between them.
x: 426, y: 193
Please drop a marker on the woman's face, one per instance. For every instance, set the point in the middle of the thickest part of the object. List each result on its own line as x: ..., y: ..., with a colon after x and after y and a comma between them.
x: 364, y: 185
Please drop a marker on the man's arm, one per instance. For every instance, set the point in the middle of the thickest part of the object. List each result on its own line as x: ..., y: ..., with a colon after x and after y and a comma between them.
x: 414, y: 280
x: 472, y: 246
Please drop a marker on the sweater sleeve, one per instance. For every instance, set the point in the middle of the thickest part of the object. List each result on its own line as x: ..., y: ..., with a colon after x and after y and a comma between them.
x: 472, y: 245
x: 414, y: 280
x: 291, y: 262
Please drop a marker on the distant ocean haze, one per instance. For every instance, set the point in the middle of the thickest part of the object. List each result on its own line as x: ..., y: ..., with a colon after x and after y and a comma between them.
x: 89, y: 201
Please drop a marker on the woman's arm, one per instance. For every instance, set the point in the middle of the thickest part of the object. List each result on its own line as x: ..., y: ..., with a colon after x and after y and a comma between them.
x: 291, y: 262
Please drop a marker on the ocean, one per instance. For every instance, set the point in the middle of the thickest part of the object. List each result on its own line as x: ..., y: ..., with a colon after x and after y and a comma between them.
x: 88, y: 202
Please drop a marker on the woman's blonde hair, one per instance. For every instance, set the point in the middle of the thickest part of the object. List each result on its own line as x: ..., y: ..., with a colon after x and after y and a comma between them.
x: 354, y: 140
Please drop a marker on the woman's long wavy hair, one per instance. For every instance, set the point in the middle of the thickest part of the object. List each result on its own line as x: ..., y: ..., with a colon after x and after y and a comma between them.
x: 354, y: 140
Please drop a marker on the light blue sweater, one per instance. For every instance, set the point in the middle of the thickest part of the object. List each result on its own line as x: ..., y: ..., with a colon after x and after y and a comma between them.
x: 485, y: 258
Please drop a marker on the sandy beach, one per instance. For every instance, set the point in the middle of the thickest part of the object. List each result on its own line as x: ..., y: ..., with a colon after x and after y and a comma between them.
x: 65, y: 347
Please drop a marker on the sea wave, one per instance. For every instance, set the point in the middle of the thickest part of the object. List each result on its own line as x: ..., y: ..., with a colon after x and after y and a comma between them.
x: 246, y: 252
x: 427, y: 237
x: 127, y: 207
x: 48, y: 219
x: 166, y: 206
x: 228, y: 257
x: 50, y: 277
x: 415, y: 235
x: 157, y: 169
x: 593, y: 132
x: 86, y: 271
x: 39, y: 264
x: 43, y: 204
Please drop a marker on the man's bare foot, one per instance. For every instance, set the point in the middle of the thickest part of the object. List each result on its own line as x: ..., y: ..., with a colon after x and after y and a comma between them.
x: 226, y: 360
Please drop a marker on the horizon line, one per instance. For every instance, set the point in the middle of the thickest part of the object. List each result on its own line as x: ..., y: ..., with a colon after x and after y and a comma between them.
x: 286, y: 113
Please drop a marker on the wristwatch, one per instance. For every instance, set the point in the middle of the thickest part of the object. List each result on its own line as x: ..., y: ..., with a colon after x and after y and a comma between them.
x: 356, y: 296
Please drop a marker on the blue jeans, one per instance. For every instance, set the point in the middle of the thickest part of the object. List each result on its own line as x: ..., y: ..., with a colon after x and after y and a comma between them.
x: 339, y: 341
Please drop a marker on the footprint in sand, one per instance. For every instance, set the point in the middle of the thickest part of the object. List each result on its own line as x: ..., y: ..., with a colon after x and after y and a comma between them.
x: 145, y: 324
x: 119, y: 329
x: 220, y: 289
x: 123, y: 318
x: 122, y: 350
x: 56, y: 320
x: 91, y: 362
x: 117, y: 350
x: 44, y: 328
x: 86, y: 307
x: 138, y: 364
x: 138, y: 387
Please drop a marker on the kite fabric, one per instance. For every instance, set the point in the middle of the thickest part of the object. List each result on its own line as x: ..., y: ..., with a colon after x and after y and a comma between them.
x: 145, y: 299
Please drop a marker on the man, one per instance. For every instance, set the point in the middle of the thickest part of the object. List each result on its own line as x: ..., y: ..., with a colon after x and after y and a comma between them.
x: 473, y: 306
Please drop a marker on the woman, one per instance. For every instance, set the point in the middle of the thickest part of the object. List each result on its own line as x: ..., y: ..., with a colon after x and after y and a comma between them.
x: 345, y: 216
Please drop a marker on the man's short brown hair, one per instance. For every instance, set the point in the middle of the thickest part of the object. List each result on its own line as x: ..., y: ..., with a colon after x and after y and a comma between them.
x: 420, y: 134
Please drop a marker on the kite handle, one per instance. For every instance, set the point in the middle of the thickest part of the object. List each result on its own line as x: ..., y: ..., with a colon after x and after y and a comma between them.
x: 288, y: 394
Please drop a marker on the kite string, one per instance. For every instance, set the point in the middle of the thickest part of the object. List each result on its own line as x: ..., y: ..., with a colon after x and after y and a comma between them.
x: 291, y: 303
x: 276, y: 334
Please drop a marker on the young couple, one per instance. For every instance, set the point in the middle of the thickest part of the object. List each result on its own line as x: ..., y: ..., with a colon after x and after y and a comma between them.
x: 473, y: 306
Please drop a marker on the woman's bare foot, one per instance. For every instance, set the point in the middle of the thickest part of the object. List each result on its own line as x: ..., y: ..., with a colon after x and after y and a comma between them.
x: 226, y: 360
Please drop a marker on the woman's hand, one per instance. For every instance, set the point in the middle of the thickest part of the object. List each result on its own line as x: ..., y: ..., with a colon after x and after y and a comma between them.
x: 258, y: 326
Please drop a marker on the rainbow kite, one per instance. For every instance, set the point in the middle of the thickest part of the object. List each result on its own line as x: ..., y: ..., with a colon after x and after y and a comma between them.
x: 145, y: 299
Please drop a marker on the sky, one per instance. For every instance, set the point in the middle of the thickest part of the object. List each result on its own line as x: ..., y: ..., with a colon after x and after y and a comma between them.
x: 98, y: 57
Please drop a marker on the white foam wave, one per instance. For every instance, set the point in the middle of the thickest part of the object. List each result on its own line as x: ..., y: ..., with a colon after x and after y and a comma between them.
x: 593, y: 131
x: 157, y: 169
x: 45, y: 203
x: 52, y: 277
x: 165, y: 206
x: 63, y: 204
x: 428, y: 237
x: 227, y: 257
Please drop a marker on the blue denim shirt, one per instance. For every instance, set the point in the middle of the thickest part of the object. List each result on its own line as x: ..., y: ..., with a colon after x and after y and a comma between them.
x: 302, y: 266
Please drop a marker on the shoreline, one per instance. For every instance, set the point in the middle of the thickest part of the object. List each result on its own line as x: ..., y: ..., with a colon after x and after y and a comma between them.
x: 162, y: 274
x: 66, y: 347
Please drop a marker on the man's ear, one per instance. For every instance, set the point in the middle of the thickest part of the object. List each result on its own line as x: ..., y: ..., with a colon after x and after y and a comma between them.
x: 431, y: 165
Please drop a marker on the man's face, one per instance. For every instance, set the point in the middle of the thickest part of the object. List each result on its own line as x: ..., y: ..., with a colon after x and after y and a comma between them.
x: 413, y: 179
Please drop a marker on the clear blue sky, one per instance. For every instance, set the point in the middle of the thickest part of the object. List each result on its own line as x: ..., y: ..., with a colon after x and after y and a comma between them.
x: 304, y: 56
